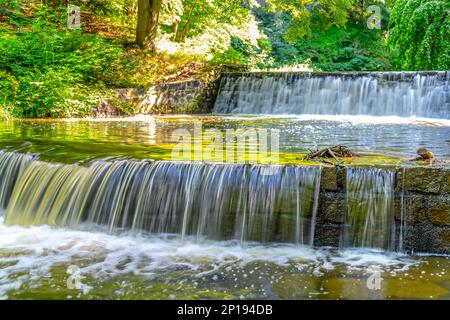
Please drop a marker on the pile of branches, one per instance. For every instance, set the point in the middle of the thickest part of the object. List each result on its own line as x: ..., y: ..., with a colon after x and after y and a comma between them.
x: 335, y: 152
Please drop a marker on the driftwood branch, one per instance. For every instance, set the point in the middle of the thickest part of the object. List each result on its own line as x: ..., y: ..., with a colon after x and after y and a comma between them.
x: 335, y: 152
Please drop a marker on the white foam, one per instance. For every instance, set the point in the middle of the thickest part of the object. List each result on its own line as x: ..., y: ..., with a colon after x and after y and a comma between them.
x: 35, y: 250
x: 353, y: 119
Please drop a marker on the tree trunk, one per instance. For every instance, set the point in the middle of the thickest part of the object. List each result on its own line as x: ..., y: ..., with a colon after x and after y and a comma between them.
x: 175, y: 25
x: 147, y: 23
x: 181, y: 34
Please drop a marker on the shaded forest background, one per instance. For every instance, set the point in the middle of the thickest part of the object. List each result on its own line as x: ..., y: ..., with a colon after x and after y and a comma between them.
x: 50, y: 70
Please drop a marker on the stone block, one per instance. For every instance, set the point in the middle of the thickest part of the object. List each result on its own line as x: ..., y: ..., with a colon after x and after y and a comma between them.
x: 428, y: 180
x: 328, y: 179
x: 439, y: 214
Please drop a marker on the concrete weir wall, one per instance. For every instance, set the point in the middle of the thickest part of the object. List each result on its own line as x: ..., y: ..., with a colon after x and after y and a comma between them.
x: 199, y: 96
x: 182, y: 97
x: 185, y: 97
x: 421, y: 196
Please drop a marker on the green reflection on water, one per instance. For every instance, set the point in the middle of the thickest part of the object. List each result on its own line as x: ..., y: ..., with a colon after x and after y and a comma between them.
x: 80, y: 141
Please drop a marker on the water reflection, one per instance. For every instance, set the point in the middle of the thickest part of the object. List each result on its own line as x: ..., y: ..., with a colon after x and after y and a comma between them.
x: 152, y: 136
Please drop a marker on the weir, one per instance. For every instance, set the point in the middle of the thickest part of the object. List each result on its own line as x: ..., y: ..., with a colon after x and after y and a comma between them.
x: 11, y: 166
x: 370, y: 209
x: 218, y: 201
x: 403, y: 94
x: 346, y: 207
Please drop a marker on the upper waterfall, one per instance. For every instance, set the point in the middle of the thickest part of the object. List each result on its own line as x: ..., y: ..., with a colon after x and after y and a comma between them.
x: 404, y: 94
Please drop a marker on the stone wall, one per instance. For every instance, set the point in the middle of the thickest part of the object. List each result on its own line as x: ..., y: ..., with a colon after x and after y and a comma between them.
x: 422, y: 196
x: 179, y: 98
x: 187, y: 97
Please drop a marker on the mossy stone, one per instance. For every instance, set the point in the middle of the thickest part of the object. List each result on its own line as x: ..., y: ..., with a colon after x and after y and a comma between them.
x: 444, y: 236
x: 328, y: 180
x: 439, y: 214
x: 428, y: 180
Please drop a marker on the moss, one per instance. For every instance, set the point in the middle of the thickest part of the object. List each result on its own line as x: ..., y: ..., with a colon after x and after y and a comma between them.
x: 439, y: 214
x: 429, y: 181
x: 445, y: 237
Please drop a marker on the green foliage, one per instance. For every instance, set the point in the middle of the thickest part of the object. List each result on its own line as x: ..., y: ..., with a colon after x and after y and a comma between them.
x: 352, y: 49
x: 333, y: 47
x: 237, y: 53
x: 197, y: 15
x: 420, y: 34
x: 311, y: 15
x: 55, y: 71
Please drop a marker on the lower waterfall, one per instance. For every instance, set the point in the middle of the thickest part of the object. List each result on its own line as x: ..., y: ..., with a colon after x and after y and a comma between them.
x: 370, y: 209
x: 11, y: 166
x: 262, y: 203
x: 219, y: 201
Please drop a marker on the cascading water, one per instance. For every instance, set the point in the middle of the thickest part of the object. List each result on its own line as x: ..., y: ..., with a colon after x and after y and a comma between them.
x: 370, y: 221
x: 220, y: 201
x: 11, y: 166
x: 404, y: 94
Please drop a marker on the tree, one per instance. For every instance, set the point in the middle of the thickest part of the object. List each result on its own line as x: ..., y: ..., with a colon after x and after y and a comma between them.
x: 147, y: 23
x: 419, y: 33
x: 309, y: 15
x: 197, y: 14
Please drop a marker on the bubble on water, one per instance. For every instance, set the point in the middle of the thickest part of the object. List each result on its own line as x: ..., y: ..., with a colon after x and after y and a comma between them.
x: 317, y: 273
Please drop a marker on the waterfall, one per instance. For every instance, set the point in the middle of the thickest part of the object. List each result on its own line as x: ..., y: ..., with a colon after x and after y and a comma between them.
x: 11, y: 166
x: 264, y: 203
x: 370, y: 220
x: 404, y: 94
x: 214, y: 200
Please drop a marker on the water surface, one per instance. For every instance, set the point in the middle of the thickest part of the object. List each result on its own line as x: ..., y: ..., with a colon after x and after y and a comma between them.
x: 34, y: 263
x: 155, y: 137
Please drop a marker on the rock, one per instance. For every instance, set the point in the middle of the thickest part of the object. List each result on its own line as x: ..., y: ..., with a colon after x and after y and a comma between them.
x: 332, y: 208
x: 105, y: 109
x: 422, y: 179
x: 178, y: 98
x: 130, y: 95
x: 424, y: 154
x: 415, y: 208
x: 439, y: 214
x: 448, y: 184
x: 444, y: 236
x: 327, y: 235
x: 328, y: 179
